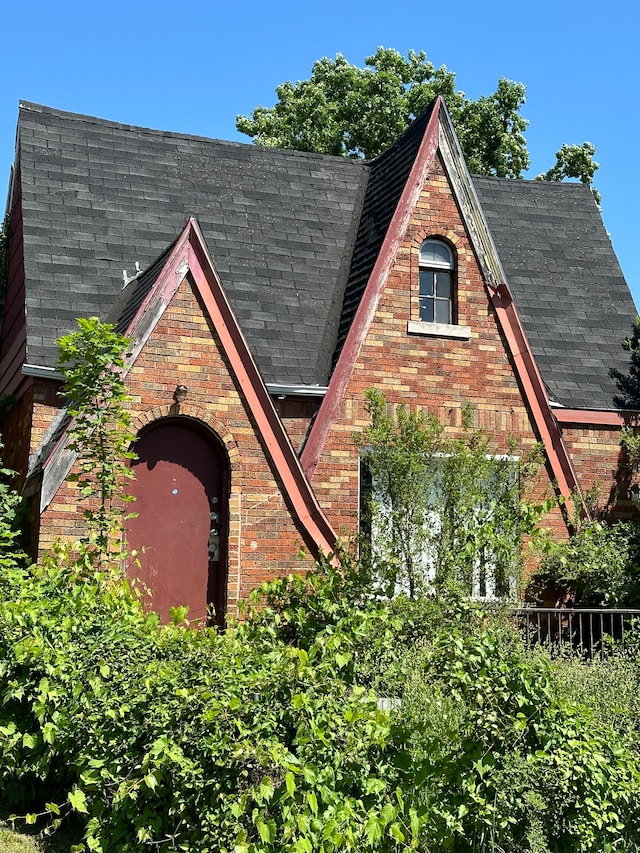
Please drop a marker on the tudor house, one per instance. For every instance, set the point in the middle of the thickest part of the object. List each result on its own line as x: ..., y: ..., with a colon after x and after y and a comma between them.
x: 263, y: 291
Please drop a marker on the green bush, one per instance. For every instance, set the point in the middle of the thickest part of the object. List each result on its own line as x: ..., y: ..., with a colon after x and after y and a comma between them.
x: 509, y: 763
x: 600, y: 562
x: 192, y: 740
x: 268, y: 737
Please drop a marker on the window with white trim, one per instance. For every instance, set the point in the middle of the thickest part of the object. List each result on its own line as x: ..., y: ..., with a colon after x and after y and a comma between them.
x: 436, y: 296
x: 468, y: 524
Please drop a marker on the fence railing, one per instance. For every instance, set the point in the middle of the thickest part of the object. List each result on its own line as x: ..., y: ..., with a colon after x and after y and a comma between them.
x: 589, y: 631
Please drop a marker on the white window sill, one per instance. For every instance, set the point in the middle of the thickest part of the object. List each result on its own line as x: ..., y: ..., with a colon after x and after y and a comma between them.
x: 438, y: 330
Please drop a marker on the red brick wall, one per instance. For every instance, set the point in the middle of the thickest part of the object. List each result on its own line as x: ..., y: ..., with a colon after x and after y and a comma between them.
x: 184, y: 349
x: 600, y: 463
x: 438, y: 374
x: 16, y: 434
x: 25, y: 425
x: 295, y: 414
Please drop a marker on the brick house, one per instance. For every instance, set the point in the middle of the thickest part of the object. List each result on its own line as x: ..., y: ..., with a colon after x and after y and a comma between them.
x: 263, y: 292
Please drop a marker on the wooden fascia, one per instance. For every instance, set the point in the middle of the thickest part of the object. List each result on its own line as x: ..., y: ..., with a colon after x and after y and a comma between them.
x: 369, y: 303
x: 509, y: 322
x: 609, y: 418
x: 534, y: 392
x: 190, y: 256
x: 276, y: 442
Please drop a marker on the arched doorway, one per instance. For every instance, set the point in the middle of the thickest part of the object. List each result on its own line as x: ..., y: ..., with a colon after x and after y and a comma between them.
x: 180, y: 531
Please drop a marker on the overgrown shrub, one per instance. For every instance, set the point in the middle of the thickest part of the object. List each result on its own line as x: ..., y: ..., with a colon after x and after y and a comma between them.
x: 243, y: 741
x: 509, y: 763
x: 600, y: 563
x: 192, y: 740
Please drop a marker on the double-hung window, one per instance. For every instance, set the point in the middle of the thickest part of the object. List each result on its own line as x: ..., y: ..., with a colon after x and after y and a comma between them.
x: 434, y: 311
x: 436, y: 283
x: 463, y: 525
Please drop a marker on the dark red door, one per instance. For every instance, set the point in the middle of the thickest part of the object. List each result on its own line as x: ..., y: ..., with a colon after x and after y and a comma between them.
x: 179, y: 532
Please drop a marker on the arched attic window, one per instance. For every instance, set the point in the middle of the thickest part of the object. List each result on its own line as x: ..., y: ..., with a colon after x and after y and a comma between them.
x: 437, y: 268
x: 437, y: 314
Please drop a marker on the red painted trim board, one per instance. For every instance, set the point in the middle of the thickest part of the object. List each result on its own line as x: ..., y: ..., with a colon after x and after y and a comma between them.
x: 368, y: 304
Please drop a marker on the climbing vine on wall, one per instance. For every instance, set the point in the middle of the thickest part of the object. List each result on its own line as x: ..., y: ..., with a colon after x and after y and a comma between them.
x: 91, y: 360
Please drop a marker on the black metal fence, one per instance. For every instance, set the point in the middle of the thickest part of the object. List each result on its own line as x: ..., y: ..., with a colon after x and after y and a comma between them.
x: 590, y: 632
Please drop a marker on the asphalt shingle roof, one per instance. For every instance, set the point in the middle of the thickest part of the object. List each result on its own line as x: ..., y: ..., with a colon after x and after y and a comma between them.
x: 388, y: 176
x: 294, y: 237
x: 98, y: 196
x: 570, y: 292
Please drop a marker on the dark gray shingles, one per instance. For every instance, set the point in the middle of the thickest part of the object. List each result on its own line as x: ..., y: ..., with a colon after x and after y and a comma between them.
x: 569, y: 289
x: 389, y: 175
x: 281, y: 227
x: 99, y: 196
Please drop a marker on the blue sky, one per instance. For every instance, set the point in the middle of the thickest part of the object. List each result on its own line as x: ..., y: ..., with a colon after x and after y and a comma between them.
x: 192, y: 67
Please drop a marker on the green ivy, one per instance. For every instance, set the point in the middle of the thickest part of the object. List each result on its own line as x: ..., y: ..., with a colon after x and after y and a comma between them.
x: 92, y: 362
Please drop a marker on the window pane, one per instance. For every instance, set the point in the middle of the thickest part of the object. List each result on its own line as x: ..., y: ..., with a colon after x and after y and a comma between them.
x: 436, y: 253
x: 426, y: 310
x: 450, y: 523
x: 426, y: 282
x: 443, y: 284
x: 443, y: 311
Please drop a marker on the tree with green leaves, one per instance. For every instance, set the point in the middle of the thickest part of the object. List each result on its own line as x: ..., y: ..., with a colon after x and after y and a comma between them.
x: 443, y: 511
x: 346, y: 110
x: 629, y: 382
x: 10, y: 533
x: 92, y: 362
x: 574, y: 161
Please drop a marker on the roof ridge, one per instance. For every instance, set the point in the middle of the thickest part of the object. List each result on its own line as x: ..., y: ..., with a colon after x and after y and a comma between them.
x: 29, y: 107
x: 386, y: 181
x: 516, y: 182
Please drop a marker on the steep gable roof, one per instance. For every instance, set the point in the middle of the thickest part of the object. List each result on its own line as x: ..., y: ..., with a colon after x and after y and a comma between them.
x: 295, y: 238
x: 98, y: 196
x: 570, y: 291
x: 140, y: 310
x: 439, y: 136
x: 387, y: 180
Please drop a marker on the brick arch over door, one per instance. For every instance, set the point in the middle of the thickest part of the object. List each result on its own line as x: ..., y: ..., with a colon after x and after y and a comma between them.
x: 181, y: 488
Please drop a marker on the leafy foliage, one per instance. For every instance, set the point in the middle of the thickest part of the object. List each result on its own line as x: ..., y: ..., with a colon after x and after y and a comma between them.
x: 629, y: 383
x: 91, y: 360
x: 512, y: 767
x: 239, y: 741
x: 359, y: 112
x: 193, y: 739
x: 272, y: 734
x: 574, y: 161
x: 10, y: 533
x: 442, y: 511
x: 600, y: 562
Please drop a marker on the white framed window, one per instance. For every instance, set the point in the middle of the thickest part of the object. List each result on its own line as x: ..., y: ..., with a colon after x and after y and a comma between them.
x: 472, y: 535
x: 437, y: 310
x: 436, y: 283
